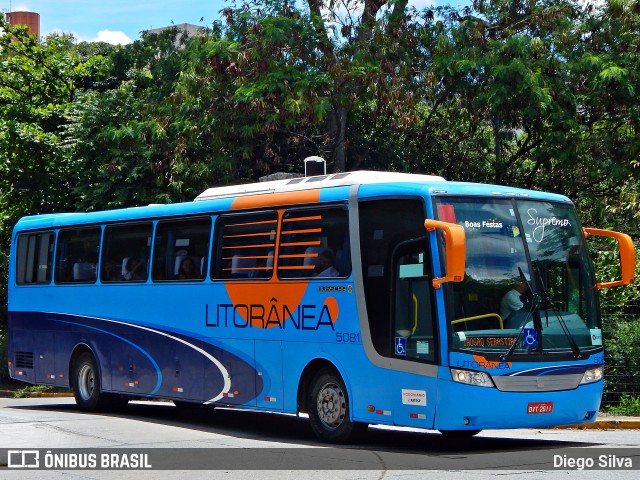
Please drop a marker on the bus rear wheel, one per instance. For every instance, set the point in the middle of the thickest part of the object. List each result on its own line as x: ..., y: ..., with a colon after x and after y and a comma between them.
x: 329, y: 409
x: 86, y: 386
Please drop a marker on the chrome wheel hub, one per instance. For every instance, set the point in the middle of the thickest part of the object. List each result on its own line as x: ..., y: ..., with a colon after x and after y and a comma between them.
x: 331, y: 406
x: 86, y: 382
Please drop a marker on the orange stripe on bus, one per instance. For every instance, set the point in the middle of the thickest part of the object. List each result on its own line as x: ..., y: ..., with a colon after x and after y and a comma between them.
x: 258, y: 234
x: 234, y: 269
x: 301, y: 219
x: 300, y: 244
x: 275, y: 199
x: 248, y: 246
x: 258, y: 257
x: 301, y: 255
x: 310, y: 230
x: 251, y: 223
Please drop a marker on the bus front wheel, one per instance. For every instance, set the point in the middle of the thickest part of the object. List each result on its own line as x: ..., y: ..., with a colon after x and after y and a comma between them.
x: 86, y: 386
x: 329, y: 409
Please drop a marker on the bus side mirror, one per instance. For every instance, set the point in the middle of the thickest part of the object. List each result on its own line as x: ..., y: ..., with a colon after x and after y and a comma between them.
x: 455, y: 250
x: 627, y: 256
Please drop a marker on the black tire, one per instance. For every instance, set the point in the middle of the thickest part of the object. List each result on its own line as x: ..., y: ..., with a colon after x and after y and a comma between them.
x: 329, y: 409
x: 459, y: 434
x: 86, y: 386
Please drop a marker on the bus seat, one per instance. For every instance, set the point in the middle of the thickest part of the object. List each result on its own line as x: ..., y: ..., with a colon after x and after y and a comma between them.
x: 123, y: 270
x: 84, y: 271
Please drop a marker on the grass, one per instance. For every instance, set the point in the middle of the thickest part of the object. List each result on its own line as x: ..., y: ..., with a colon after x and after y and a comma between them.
x: 11, y: 388
x: 629, y: 406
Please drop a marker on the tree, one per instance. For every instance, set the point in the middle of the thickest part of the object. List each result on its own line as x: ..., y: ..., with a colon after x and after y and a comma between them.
x: 38, y: 83
x: 125, y: 137
x: 296, y: 76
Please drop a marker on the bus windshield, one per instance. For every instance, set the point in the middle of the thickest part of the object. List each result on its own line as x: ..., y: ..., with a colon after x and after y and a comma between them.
x: 529, y: 284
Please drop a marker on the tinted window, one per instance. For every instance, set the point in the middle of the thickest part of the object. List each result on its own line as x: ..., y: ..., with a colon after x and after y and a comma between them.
x: 314, y: 243
x: 125, y: 253
x: 35, y: 256
x: 385, y: 226
x: 181, y: 250
x: 77, y: 255
x: 246, y: 246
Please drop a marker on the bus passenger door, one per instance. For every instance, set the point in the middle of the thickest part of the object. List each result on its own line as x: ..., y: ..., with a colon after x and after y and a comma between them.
x: 414, y: 335
x: 269, y: 389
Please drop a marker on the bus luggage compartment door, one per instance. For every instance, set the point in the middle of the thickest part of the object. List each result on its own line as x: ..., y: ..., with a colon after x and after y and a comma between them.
x: 269, y: 389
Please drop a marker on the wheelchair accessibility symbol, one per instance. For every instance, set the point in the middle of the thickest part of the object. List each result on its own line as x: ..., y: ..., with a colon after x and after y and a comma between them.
x: 530, y: 337
x: 401, y: 346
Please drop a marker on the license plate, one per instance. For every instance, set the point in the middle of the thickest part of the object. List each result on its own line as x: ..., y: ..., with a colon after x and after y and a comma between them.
x: 540, y: 407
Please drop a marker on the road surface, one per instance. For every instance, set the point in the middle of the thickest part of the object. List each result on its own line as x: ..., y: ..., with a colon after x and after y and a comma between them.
x: 224, y: 443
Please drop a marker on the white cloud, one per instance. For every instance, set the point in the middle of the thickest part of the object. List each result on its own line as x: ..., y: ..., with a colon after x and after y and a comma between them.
x: 420, y: 4
x: 115, y: 38
x: 19, y: 7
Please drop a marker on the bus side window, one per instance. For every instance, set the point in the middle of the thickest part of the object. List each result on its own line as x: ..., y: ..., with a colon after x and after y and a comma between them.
x: 35, y: 258
x: 181, y: 249
x: 314, y: 243
x: 245, y: 245
x: 77, y: 255
x: 125, y: 252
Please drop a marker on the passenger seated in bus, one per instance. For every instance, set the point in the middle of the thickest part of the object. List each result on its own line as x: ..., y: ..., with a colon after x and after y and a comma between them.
x: 133, y: 269
x: 512, y: 303
x: 325, y: 264
x: 188, y: 270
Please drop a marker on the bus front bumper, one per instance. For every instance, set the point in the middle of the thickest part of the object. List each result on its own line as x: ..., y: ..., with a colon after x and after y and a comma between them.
x: 467, y: 407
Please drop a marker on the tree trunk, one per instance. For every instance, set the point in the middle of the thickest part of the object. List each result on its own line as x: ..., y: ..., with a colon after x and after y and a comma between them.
x: 337, y: 130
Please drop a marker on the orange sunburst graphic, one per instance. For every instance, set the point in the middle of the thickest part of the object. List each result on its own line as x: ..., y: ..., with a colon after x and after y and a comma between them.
x: 268, y: 304
x: 265, y: 305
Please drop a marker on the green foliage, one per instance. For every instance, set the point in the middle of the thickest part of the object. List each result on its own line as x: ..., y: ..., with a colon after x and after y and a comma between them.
x: 37, y: 88
x: 629, y: 405
x: 622, y: 361
x: 541, y: 95
x: 35, y: 391
x: 4, y: 371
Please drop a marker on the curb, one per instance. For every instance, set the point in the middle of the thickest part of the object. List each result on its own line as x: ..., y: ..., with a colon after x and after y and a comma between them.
x: 606, y: 423
x: 12, y: 394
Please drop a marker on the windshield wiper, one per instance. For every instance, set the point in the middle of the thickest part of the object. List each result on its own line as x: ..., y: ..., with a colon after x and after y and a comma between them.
x: 532, y: 312
x: 546, y: 297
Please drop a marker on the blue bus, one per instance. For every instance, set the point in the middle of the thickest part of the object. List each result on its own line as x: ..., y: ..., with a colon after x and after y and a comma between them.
x: 358, y: 298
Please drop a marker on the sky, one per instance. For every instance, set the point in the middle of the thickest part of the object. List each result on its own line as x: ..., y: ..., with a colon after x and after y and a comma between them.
x: 122, y: 21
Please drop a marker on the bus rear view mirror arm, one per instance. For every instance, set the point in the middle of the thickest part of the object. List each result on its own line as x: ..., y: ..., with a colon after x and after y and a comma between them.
x: 456, y: 250
x: 627, y: 256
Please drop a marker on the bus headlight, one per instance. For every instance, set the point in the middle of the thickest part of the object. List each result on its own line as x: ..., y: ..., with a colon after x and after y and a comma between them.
x: 479, y: 379
x: 592, y: 375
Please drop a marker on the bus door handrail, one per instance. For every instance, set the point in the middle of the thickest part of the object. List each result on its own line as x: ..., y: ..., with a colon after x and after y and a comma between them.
x: 480, y: 317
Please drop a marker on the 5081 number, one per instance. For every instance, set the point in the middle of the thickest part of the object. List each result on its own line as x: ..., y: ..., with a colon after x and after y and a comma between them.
x: 345, y: 337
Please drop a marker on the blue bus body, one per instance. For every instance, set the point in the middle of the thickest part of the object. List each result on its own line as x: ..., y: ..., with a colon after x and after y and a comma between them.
x: 258, y: 342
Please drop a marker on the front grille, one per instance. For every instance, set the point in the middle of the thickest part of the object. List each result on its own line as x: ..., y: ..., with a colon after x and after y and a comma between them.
x: 24, y: 360
x: 541, y: 383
